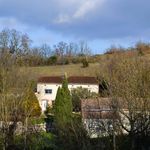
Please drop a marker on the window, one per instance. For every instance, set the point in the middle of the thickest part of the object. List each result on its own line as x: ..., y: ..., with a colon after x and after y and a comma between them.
x: 48, y: 91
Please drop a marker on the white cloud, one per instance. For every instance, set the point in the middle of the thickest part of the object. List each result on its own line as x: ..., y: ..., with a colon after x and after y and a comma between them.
x: 84, y: 8
x: 12, y: 23
x: 79, y: 18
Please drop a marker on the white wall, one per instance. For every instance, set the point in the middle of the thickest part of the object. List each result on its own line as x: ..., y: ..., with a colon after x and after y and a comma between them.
x: 41, y: 91
x: 91, y: 87
x: 42, y: 96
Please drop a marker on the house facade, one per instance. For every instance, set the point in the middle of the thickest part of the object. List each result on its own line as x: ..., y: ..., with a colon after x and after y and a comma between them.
x: 47, y: 87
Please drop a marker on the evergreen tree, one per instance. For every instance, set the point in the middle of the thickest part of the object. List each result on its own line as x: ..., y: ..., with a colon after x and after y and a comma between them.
x: 63, y: 106
x: 70, y: 131
x: 31, y: 104
x: 58, y: 108
x: 67, y: 99
x: 85, y: 62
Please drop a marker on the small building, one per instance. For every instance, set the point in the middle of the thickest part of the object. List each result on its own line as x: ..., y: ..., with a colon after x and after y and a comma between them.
x: 47, y: 87
x: 99, y: 117
x: 96, y: 116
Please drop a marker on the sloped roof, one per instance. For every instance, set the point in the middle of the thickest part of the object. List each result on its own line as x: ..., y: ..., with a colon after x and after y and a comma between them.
x: 71, y: 79
x: 99, y: 108
x: 53, y: 79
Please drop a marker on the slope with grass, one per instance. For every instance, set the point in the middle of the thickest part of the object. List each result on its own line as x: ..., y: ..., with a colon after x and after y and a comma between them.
x: 71, y: 70
x: 98, y: 65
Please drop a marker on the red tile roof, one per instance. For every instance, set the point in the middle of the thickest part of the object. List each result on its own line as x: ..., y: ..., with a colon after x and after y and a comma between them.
x: 71, y: 79
x: 56, y: 79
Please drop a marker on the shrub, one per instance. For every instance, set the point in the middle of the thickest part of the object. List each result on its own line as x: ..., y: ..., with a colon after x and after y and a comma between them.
x: 52, y: 60
x: 85, y: 63
x: 79, y: 93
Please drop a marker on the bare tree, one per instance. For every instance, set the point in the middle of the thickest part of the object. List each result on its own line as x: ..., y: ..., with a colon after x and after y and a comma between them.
x: 25, y: 44
x: 46, y: 50
x: 4, y: 39
x: 15, y: 41
x: 129, y: 84
x: 13, y: 84
x: 84, y: 48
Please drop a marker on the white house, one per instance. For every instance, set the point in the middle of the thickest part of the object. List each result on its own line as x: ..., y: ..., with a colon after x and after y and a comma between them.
x: 47, y: 87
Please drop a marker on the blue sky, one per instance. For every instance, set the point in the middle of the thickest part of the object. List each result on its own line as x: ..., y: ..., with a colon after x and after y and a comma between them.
x: 101, y: 23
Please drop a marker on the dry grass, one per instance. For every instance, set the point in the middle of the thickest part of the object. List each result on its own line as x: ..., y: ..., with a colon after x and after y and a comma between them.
x: 94, y: 69
x: 71, y: 70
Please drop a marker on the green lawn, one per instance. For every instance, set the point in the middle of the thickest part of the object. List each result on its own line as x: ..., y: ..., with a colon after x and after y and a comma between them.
x: 71, y: 70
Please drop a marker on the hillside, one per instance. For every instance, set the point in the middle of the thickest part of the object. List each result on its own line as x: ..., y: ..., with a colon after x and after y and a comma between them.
x: 71, y: 69
x: 97, y: 64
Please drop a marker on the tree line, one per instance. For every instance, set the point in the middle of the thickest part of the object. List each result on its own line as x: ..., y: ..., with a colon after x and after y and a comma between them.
x: 20, y: 45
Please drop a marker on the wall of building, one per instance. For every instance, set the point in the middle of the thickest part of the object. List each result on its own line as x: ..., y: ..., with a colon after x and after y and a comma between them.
x: 49, y: 97
x: 91, y: 87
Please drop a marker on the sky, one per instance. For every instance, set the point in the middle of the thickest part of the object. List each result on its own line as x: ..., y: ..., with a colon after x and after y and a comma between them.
x: 101, y: 23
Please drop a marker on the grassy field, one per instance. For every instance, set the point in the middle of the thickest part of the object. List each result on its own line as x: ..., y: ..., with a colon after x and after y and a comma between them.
x: 71, y: 70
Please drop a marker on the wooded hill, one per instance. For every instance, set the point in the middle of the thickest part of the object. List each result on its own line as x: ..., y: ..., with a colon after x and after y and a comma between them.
x: 96, y: 63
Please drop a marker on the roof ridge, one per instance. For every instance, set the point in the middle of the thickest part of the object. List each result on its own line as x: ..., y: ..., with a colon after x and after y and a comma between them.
x: 71, y: 79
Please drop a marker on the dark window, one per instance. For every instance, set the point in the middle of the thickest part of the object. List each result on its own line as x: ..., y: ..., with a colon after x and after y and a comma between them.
x: 48, y: 91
